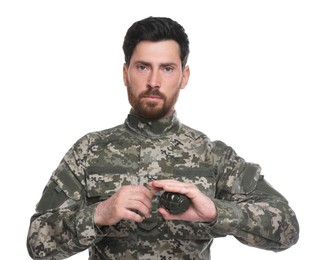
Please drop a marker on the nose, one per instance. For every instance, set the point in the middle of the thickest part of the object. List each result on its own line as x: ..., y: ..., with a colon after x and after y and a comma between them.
x: 154, y: 79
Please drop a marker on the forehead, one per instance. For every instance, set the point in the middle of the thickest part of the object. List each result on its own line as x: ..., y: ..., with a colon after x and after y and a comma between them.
x: 161, y: 51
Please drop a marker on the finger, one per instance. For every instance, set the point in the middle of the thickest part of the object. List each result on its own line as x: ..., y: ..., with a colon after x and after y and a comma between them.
x: 142, y: 198
x: 158, y: 183
x: 141, y: 208
x: 174, y: 186
x: 167, y: 215
x: 131, y: 215
x: 154, y: 190
x: 140, y: 189
x: 162, y: 184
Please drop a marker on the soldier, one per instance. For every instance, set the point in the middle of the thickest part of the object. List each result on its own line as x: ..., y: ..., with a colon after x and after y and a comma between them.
x: 105, y: 195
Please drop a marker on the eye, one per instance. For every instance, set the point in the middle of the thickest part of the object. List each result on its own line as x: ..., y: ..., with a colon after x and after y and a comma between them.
x: 168, y: 69
x: 141, y: 67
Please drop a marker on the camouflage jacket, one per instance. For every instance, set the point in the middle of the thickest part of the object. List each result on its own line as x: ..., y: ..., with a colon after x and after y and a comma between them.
x: 135, y: 153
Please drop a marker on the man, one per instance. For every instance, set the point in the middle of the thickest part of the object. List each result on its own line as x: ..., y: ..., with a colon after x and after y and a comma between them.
x: 105, y: 194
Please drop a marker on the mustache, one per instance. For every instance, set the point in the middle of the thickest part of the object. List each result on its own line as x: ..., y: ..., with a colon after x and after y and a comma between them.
x: 152, y: 92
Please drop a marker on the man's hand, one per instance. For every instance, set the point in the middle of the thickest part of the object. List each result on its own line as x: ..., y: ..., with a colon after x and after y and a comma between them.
x: 123, y: 205
x: 202, y: 208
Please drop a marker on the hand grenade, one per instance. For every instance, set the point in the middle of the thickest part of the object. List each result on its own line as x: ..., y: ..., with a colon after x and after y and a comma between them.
x: 175, y: 203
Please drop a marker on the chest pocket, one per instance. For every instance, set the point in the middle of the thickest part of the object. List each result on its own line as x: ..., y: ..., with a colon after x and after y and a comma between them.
x: 103, y: 182
x: 203, y: 178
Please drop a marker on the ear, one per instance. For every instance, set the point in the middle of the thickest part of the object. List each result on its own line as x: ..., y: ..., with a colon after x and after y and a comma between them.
x: 125, y: 74
x: 185, y: 77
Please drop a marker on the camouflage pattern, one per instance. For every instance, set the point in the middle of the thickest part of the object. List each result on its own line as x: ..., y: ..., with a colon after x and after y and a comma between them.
x: 135, y: 153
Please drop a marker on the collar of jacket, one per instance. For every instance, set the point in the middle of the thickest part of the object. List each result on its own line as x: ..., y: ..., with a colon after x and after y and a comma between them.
x: 157, y: 128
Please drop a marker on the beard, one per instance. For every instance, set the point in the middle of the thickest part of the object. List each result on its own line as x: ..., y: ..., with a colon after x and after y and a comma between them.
x: 152, y: 110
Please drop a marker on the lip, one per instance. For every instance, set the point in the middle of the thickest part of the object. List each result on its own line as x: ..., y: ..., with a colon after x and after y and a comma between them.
x: 152, y: 97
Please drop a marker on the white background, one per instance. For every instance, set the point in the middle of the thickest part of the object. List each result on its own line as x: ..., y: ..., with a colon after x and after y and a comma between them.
x: 257, y: 78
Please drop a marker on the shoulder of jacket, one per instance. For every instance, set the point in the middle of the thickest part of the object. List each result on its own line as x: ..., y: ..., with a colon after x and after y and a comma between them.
x: 100, y: 136
x: 193, y: 133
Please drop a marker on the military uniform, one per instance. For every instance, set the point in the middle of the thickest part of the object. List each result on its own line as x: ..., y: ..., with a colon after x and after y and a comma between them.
x: 136, y: 153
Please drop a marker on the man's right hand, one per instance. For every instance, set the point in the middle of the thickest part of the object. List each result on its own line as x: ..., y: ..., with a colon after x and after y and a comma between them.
x: 123, y: 205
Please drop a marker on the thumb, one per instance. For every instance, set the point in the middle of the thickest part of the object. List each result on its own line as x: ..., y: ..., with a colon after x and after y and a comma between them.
x: 167, y: 215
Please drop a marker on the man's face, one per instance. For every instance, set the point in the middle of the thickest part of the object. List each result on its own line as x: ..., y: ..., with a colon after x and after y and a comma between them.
x: 154, y: 78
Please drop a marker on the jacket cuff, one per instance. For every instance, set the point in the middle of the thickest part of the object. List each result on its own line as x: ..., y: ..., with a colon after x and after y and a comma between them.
x: 228, y: 218
x: 87, y: 232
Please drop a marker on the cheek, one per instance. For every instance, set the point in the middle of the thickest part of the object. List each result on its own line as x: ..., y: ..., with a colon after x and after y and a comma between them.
x: 174, y: 85
x: 134, y: 91
x: 126, y: 81
x: 137, y: 82
x: 176, y: 81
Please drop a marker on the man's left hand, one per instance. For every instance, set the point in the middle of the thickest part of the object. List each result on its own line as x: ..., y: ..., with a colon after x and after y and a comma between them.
x: 201, y: 209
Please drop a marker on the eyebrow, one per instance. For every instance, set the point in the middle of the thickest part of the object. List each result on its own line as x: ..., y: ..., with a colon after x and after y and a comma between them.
x: 164, y: 64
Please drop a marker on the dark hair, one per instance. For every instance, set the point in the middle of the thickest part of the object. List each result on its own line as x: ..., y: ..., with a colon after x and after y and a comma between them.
x: 156, y: 29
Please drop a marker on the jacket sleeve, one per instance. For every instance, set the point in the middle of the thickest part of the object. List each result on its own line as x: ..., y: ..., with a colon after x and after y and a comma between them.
x: 248, y: 207
x: 63, y: 223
